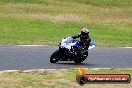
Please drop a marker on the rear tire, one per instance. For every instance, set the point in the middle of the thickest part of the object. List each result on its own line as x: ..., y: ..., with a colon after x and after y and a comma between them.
x: 77, y: 60
x: 80, y: 59
x: 55, y: 57
x: 85, y: 56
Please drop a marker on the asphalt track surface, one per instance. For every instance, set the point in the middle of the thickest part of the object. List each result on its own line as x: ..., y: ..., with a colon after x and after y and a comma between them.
x: 37, y: 57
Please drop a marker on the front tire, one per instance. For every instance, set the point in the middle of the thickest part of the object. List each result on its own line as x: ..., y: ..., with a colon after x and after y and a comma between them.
x: 55, y: 57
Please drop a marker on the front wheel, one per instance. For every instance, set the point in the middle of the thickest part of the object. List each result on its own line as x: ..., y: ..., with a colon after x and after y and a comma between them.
x: 55, y: 57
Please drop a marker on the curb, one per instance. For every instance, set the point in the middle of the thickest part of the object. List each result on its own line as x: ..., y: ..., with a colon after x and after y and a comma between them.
x: 8, y: 71
x: 127, y: 47
x: 32, y: 70
x: 106, y: 68
x: 31, y: 45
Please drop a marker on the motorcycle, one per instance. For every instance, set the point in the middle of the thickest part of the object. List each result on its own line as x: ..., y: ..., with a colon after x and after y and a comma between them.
x: 68, y: 51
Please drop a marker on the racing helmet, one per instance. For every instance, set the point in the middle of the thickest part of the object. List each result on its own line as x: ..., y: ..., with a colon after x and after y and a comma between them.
x: 85, y: 32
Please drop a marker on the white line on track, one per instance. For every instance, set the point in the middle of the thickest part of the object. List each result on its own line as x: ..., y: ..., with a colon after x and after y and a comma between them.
x: 32, y: 45
x: 126, y: 47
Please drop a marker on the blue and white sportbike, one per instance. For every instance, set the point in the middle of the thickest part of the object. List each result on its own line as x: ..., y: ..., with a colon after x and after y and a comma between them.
x: 68, y: 51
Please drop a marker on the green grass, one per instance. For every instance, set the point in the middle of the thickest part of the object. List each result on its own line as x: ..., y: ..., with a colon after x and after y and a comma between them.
x: 102, y: 3
x: 105, y: 3
x: 22, y: 80
x: 48, y: 21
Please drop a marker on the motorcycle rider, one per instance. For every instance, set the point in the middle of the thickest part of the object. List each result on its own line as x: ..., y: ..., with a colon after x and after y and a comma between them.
x: 84, y: 39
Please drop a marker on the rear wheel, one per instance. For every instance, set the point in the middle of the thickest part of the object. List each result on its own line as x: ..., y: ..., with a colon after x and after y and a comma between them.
x: 55, y: 57
x: 79, y: 59
x: 84, y: 56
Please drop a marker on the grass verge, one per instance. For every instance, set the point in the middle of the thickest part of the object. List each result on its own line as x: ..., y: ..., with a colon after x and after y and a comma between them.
x: 58, y: 78
x: 48, y: 21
